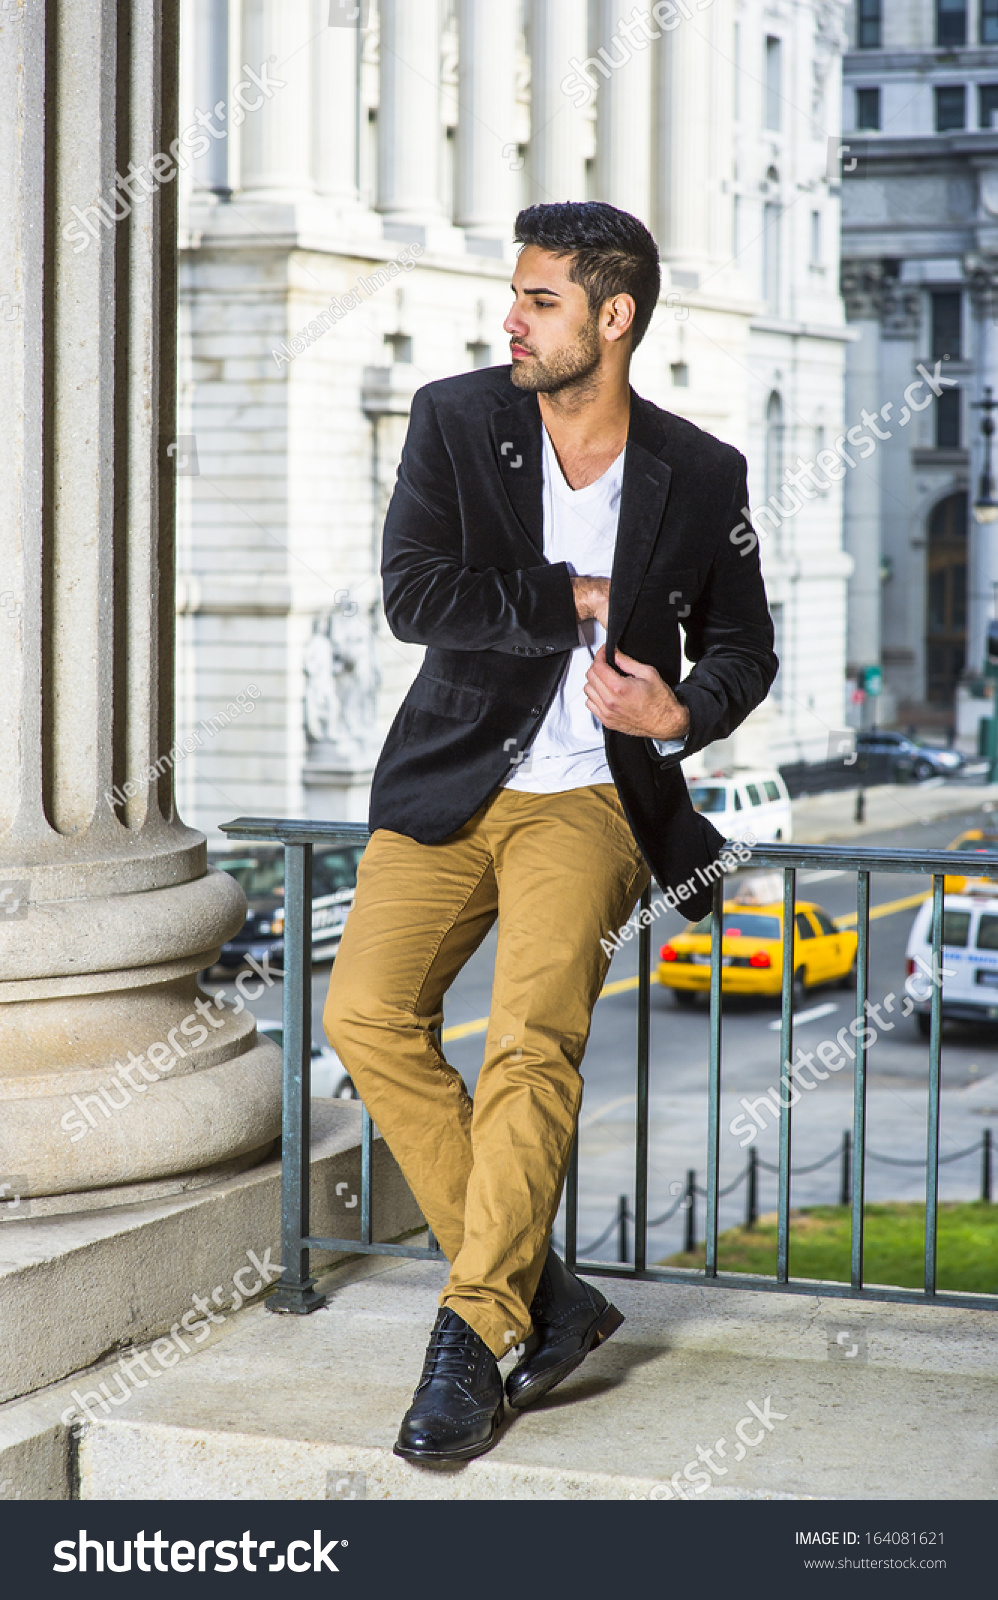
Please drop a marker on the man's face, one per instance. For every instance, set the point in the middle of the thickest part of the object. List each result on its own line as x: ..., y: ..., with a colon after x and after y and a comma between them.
x: 554, y: 338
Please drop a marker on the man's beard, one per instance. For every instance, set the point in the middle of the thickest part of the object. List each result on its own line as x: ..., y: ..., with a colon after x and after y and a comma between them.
x: 572, y: 367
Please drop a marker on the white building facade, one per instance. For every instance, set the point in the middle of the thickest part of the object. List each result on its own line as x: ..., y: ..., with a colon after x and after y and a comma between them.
x: 920, y: 280
x: 348, y: 212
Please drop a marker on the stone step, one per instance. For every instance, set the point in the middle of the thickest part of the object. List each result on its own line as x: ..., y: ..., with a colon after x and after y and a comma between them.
x: 809, y: 1398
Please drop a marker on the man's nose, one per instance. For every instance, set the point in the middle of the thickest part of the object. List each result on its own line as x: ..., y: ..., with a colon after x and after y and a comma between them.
x: 515, y: 323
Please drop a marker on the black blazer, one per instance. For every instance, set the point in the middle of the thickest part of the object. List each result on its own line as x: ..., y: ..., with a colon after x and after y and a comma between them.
x: 464, y: 574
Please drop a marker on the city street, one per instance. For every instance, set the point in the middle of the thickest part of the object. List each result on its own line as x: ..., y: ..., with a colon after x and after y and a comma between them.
x: 751, y: 1049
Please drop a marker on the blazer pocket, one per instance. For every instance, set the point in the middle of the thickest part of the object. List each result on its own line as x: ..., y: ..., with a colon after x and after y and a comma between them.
x: 442, y: 699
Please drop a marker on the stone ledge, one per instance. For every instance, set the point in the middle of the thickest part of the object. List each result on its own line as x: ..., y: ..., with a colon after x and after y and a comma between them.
x: 74, y: 1288
x: 308, y: 1408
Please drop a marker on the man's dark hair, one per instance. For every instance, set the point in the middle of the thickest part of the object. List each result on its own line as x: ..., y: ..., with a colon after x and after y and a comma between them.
x: 614, y: 252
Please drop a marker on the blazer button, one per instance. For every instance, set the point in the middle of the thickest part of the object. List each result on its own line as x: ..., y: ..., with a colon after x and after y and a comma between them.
x: 535, y: 711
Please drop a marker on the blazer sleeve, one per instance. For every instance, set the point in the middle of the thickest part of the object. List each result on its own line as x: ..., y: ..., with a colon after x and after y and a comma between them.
x: 729, y: 636
x: 431, y: 597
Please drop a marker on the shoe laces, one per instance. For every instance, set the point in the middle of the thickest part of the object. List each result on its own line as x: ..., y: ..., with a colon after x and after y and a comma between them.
x: 451, y: 1353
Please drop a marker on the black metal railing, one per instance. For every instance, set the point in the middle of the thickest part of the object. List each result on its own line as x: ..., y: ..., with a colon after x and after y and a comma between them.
x: 296, y: 1291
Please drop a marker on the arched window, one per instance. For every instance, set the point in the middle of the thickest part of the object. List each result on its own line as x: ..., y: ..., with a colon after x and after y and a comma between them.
x: 946, y: 599
x: 774, y: 444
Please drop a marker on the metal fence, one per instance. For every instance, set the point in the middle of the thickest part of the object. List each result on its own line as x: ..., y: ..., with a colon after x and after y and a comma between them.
x: 296, y: 1291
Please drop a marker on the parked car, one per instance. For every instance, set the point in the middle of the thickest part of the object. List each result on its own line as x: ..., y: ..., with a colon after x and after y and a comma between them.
x: 969, y: 975
x: 259, y: 871
x: 907, y: 758
x: 973, y: 842
x: 330, y: 1078
x: 752, y: 953
x: 745, y: 803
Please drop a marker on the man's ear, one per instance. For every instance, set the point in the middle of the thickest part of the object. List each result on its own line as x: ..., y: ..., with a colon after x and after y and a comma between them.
x: 619, y: 312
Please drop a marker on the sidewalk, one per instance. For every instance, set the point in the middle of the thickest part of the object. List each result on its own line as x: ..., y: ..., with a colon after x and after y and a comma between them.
x: 827, y: 818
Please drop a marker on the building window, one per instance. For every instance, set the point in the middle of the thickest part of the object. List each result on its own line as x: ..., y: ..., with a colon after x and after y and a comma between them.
x: 867, y: 110
x: 946, y: 599
x: 774, y: 445
x: 948, y: 420
x: 951, y: 107
x: 776, y: 612
x: 987, y: 103
x: 947, y: 307
x: 816, y: 238
x: 774, y: 68
x: 989, y: 23
x: 400, y: 347
x: 951, y: 22
x: 870, y: 24
x: 479, y: 353
x: 771, y: 214
x: 680, y: 375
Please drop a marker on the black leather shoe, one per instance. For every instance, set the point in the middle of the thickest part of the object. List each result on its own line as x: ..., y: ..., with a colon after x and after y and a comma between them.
x: 570, y: 1318
x: 456, y: 1410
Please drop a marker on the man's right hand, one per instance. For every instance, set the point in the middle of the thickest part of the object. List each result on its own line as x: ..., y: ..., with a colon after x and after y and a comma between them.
x: 592, y: 598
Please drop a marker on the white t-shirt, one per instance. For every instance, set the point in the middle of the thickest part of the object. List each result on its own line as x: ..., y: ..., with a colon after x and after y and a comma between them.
x: 580, y: 528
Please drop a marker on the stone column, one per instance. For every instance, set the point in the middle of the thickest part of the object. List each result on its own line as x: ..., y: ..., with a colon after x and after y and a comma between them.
x: 210, y: 59
x: 486, y: 138
x: 276, y: 135
x: 982, y: 271
x: 335, y: 132
x: 685, y: 141
x: 862, y: 293
x: 409, y: 127
x: 623, y: 111
x: 557, y: 152
x: 108, y: 912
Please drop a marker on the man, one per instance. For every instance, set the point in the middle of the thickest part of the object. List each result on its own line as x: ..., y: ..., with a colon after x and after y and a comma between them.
x: 548, y: 532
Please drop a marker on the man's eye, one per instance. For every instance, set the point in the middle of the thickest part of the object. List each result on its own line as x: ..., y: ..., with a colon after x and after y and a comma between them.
x: 544, y: 305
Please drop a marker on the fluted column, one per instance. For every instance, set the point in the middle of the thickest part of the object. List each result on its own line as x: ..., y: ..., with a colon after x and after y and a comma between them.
x: 210, y: 61
x: 982, y: 271
x: 486, y: 140
x: 557, y: 150
x: 108, y: 912
x: 862, y: 291
x: 624, y: 110
x: 335, y: 110
x: 409, y: 128
x: 685, y: 141
x: 276, y: 133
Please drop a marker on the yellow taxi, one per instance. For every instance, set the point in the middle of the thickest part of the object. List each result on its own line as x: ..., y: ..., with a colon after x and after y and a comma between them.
x: 752, y: 953
x: 974, y: 842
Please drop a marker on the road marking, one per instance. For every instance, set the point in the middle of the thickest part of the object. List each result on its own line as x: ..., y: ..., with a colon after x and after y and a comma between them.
x: 805, y: 1016
x: 464, y: 1030
x: 886, y: 910
x: 822, y: 875
x: 603, y: 1111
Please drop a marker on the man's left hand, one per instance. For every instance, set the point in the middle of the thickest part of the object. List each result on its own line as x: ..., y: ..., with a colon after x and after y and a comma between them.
x: 635, y: 699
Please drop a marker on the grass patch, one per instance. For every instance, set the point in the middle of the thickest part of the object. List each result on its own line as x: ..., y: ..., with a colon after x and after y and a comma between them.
x: 893, y: 1249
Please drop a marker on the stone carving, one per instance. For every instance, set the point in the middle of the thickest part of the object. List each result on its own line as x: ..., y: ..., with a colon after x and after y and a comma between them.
x: 982, y: 278
x: 341, y: 683
x: 873, y: 292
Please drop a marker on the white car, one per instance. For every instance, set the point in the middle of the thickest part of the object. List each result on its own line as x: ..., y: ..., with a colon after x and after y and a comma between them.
x: 969, y: 958
x: 745, y: 804
x: 330, y: 1079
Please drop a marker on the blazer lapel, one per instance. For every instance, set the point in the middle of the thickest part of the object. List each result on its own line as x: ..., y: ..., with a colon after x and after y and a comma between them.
x: 516, y: 436
x: 644, y: 493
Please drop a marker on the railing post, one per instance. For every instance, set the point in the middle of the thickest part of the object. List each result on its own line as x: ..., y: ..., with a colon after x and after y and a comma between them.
x: 986, y: 1166
x: 935, y: 1049
x: 296, y: 1290
x: 641, y: 1105
x: 714, y: 1080
x: 752, y: 1188
x: 622, y: 1252
x: 845, y: 1184
x: 690, y: 1225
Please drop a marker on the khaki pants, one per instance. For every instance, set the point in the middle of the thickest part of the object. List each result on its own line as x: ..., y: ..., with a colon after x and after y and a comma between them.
x: 560, y: 871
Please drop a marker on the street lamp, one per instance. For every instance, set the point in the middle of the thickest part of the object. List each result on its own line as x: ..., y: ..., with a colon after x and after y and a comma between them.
x: 986, y: 506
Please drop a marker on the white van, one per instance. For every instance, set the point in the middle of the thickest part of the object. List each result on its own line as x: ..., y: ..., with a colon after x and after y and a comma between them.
x: 745, y: 804
x: 969, y: 960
